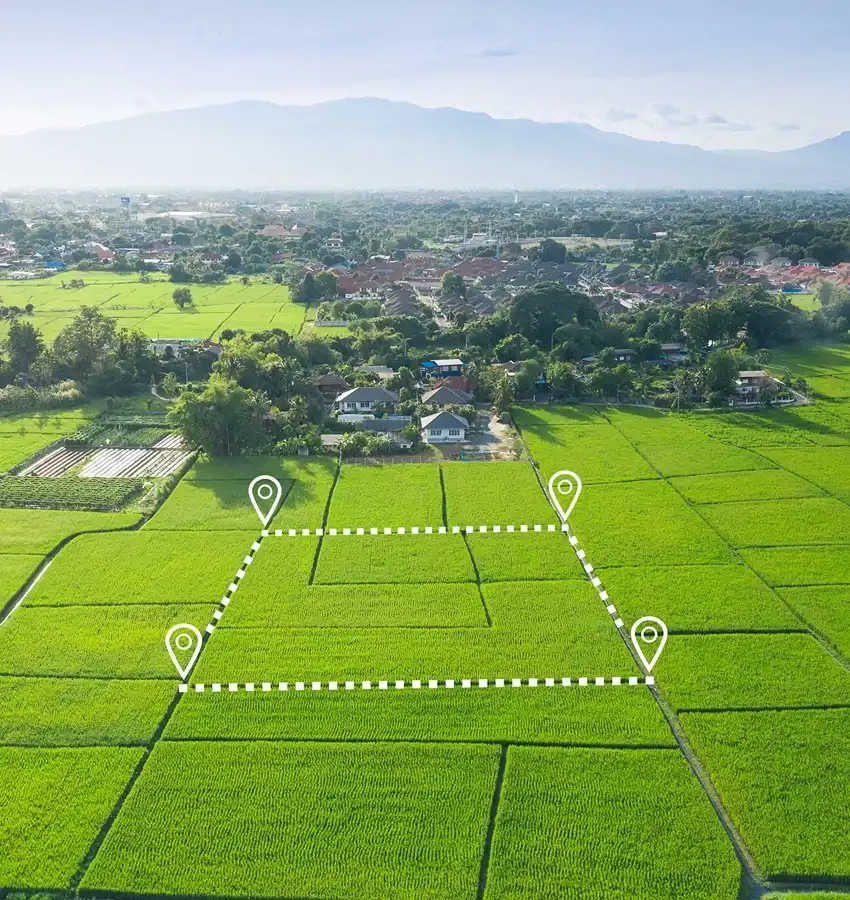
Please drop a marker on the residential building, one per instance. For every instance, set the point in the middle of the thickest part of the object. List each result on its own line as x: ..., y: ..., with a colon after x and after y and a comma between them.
x: 444, y: 428
x: 729, y: 260
x: 626, y: 355
x: 391, y: 428
x: 442, y: 368
x: 751, y: 381
x: 331, y: 386
x: 447, y: 396
x: 365, y: 399
x: 809, y: 262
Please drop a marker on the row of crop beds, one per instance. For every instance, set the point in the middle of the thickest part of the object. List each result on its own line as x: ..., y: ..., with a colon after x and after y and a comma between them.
x: 69, y: 493
x: 133, y: 463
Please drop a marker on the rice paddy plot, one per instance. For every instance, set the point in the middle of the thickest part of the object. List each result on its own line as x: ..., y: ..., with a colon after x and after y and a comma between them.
x: 393, y: 559
x: 827, y: 467
x: 354, y: 822
x: 556, y: 416
x: 94, y: 641
x: 644, y: 523
x: 765, y: 484
x: 825, y: 608
x: 17, y: 448
x: 830, y: 386
x: 52, y: 806
x: 282, y: 602
x: 752, y: 429
x: 816, y: 360
x: 674, y: 448
x: 610, y: 716
x: 524, y: 557
x: 598, y: 453
x: 784, y: 778
x: 800, y: 566
x: 537, y: 632
x: 589, y: 824
x: 142, y: 568
x: 15, y: 569
x: 698, y: 598
x: 184, y: 324
x: 771, y: 523
x: 387, y: 497
x: 70, y: 712
x: 490, y: 493
x: 750, y: 671
x: 40, y: 530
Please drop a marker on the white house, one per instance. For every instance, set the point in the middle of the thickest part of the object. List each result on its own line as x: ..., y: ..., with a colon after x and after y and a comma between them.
x: 364, y: 399
x: 444, y: 428
x: 751, y: 381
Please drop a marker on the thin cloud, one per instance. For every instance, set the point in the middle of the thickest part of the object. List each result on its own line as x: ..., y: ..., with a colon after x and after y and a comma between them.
x: 617, y: 114
x: 786, y: 126
x: 496, y: 53
x: 674, y: 116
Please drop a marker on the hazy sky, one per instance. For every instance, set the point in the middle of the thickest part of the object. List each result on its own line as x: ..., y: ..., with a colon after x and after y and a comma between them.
x: 718, y: 73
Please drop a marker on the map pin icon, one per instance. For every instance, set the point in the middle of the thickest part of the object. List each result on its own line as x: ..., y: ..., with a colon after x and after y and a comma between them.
x: 649, y: 635
x: 265, y: 493
x: 565, y: 488
x: 183, y: 642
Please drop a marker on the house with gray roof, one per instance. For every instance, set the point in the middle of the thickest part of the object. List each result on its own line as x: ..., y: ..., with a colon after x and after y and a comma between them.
x: 447, y: 396
x: 364, y: 399
x: 444, y: 428
x: 389, y: 427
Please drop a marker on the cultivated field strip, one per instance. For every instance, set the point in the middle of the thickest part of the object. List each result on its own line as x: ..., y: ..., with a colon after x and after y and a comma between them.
x: 134, y: 463
x: 55, y: 463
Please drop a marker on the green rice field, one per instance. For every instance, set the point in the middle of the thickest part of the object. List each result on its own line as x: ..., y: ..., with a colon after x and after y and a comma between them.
x: 443, y: 716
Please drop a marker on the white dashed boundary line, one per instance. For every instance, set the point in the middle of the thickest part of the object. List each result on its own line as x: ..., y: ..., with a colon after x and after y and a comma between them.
x: 266, y: 686
x: 390, y: 684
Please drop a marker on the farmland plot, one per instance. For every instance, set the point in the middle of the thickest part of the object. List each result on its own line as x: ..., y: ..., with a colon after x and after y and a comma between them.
x: 770, y: 523
x: 788, y: 566
x: 17, y: 448
x: 598, y: 453
x: 69, y: 493
x: 590, y: 824
x: 52, y: 805
x: 40, y: 530
x: 333, y: 821
x: 387, y: 497
x: 699, y: 598
x: 157, y: 568
x: 524, y: 557
x: 15, y: 569
x: 825, y: 608
x: 750, y: 671
x: 487, y: 494
x: 98, y: 642
x: 827, y: 467
x: 765, y: 484
x: 556, y: 416
x: 66, y: 712
x: 771, y: 769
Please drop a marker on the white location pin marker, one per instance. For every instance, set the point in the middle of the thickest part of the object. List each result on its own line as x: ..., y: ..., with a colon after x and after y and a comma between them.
x: 183, y: 642
x: 649, y: 635
x: 565, y: 487
x: 265, y: 493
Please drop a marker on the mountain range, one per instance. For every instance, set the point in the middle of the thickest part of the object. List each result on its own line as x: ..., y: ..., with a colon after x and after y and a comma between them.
x: 380, y: 144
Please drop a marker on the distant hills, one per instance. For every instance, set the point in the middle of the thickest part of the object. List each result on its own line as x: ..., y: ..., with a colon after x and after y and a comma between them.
x: 368, y: 143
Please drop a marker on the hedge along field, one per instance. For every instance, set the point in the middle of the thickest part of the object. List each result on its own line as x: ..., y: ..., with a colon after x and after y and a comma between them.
x: 555, y: 416
x: 674, y: 448
x: 67, y: 712
x: 828, y: 467
x: 770, y: 523
x: 97, y: 642
x: 750, y: 671
x: 799, y: 566
x: 611, y: 716
x: 825, y: 608
x: 598, y: 453
x: 393, y: 559
x: 698, y: 598
x: 40, y: 530
x: 784, y: 778
x: 765, y: 484
x: 354, y: 822
x: 539, y: 630
x: 590, y: 824
x: 644, y: 522
x: 503, y: 493
x: 52, y: 805
x: 386, y: 497
x: 142, y: 567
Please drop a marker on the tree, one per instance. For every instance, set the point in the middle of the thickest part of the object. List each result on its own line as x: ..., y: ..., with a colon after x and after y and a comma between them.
x: 537, y: 312
x: 181, y: 239
x: 328, y: 284
x: 720, y: 373
x: 308, y: 290
x: 550, y: 251
x: 79, y: 345
x: 225, y: 419
x: 704, y: 323
x: 24, y: 343
x: 182, y: 297
x: 452, y: 285
x: 503, y: 394
x: 564, y: 380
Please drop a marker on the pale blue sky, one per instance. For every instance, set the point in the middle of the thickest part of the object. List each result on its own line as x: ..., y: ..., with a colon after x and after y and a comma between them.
x: 719, y: 74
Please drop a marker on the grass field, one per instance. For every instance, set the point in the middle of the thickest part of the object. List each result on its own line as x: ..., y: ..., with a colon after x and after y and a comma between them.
x: 731, y: 527
x: 150, y: 308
